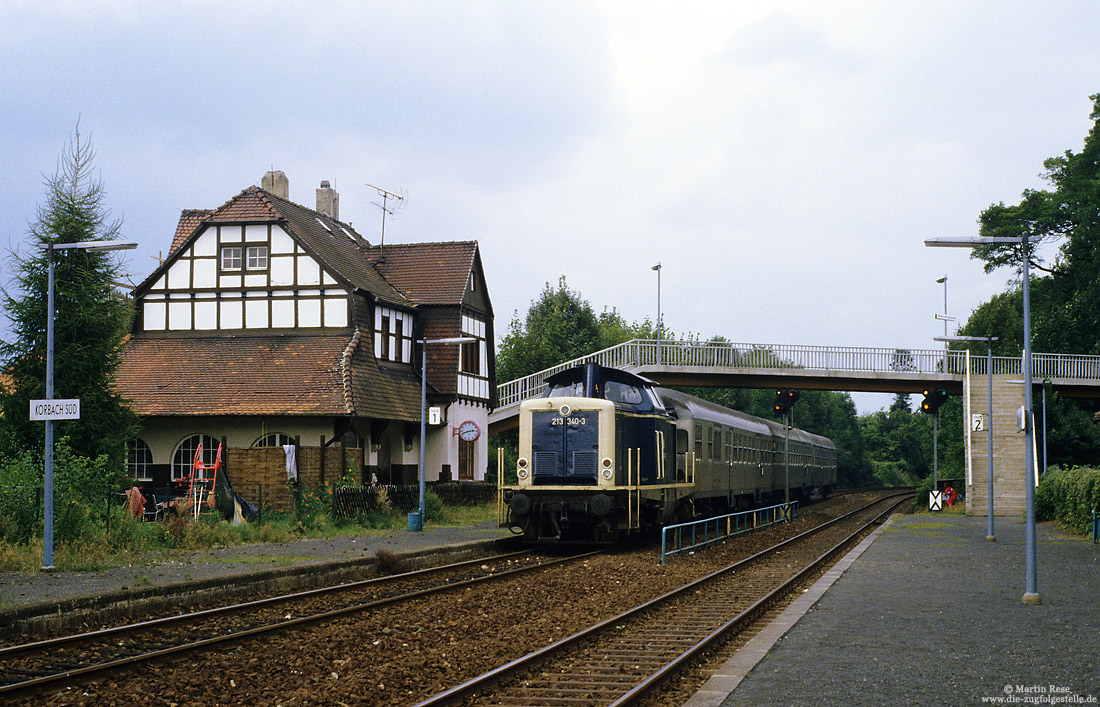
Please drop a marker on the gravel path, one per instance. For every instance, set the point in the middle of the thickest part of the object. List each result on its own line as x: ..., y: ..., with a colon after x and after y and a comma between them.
x: 23, y: 589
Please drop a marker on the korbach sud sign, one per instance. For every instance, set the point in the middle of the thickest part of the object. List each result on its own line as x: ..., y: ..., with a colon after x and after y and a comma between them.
x: 55, y: 409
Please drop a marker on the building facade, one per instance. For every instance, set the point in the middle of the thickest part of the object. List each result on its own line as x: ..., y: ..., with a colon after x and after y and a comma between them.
x: 272, y: 323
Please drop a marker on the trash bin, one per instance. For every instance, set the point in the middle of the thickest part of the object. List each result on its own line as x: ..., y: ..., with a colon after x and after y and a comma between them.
x: 416, y: 522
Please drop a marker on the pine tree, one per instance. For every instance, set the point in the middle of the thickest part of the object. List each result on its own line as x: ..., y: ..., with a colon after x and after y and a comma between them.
x: 90, y: 319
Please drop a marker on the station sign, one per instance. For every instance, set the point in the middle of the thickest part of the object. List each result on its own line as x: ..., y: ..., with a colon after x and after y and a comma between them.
x: 55, y: 409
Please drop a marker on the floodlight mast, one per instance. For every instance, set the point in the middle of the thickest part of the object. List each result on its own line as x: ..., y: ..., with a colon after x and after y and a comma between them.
x: 416, y: 520
x: 47, y: 476
x: 1031, y: 593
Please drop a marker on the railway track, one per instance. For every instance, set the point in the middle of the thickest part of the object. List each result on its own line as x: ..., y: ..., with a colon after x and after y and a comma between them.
x: 37, y: 666
x: 621, y: 660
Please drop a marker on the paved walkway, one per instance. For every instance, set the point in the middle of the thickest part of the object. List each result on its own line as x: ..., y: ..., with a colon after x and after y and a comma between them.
x: 929, y: 613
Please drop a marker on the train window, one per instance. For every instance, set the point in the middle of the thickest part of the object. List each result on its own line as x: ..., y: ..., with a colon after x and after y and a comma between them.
x: 622, y: 393
x: 681, y: 441
x: 566, y: 390
x: 698, y: 441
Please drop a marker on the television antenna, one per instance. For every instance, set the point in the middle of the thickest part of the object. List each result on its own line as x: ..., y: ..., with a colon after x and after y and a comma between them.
x: 386, y: 196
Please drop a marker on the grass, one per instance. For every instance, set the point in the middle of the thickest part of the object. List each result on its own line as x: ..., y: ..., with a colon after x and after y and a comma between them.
x: 131, y: 541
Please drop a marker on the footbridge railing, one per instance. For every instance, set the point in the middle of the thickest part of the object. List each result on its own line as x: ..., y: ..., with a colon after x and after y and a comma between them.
x: 640, y: 353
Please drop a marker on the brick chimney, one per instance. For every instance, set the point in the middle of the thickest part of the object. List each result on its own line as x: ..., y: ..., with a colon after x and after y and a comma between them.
x: 328, y: 201
x: 276, y: 183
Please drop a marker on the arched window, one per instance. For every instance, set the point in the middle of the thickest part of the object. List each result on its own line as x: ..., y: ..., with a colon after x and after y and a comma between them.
x: 139, y: 458
x: 185, y: 454
x: 273, y: 439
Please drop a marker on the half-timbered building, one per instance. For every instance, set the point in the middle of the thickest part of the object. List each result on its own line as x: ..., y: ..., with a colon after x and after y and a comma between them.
x: 271, y: 322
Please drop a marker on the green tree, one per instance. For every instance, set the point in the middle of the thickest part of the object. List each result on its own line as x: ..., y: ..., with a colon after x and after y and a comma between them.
x: 90, y: 319
x: 560, y: 326
x: 1065, y: 310
x: 898, y: 442
x: 1065, y: 297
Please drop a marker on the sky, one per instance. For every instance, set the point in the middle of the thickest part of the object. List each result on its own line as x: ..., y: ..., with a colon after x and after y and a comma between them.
x: 783, y: 161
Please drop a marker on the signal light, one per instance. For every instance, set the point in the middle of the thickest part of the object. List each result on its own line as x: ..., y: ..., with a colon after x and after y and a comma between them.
x: 932, y: 400
x: 784, y: 399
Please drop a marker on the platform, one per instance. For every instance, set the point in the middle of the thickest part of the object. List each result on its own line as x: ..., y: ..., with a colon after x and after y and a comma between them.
x: 927, y: 612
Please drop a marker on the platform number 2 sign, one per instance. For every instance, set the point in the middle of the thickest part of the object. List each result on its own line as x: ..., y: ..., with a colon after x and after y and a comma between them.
x: 977, y: 422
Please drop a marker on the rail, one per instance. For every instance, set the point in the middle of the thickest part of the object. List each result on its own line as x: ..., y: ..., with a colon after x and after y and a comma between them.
x: 722, y: 527
x: 724, y: 355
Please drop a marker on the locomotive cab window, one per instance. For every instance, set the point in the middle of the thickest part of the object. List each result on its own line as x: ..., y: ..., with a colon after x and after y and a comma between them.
x: 564, y: 390
x: 622, y: 393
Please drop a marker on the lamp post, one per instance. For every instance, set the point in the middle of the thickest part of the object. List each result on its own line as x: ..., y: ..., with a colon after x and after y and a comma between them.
x: 657, y: 267
x: 47, y: 514
x: 416, y: 520
x: 944, y: 317
x: 990, y: 536
x: 1031, y: 593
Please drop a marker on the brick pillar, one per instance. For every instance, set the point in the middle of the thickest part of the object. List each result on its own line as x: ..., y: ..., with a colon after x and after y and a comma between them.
x: 1008, y: 447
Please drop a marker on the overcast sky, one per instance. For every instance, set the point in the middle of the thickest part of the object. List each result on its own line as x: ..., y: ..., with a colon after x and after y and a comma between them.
x: 783, y: 160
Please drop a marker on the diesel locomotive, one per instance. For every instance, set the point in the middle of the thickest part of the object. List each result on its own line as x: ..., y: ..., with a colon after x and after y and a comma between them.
x: 605, y: 453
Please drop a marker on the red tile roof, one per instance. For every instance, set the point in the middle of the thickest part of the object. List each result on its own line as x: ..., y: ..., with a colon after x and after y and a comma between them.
x: 250, y: 205
x: 189, y: 221
x: 262, y: 375
x: 428, y: 273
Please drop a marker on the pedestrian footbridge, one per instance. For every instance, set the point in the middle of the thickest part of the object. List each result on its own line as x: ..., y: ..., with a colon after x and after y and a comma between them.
x: 880, y: 370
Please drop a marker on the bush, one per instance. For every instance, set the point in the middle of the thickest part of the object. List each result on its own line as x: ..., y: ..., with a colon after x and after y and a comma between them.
x: 20, y: 499
x: 433, y: 506
x: 1068, y: 496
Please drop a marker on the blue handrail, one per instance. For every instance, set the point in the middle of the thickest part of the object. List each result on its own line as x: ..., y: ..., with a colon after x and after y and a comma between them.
x: 722, y: 527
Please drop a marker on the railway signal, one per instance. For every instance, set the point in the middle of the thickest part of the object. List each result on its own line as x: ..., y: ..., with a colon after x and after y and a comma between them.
x: 933, y: 399
x: 784, y: 399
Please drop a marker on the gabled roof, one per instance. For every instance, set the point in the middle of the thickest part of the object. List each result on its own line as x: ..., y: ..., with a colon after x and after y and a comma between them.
x: 335, y: 244
x: 263, y: 375
x: 428, y: 273
x: 189, y: 221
